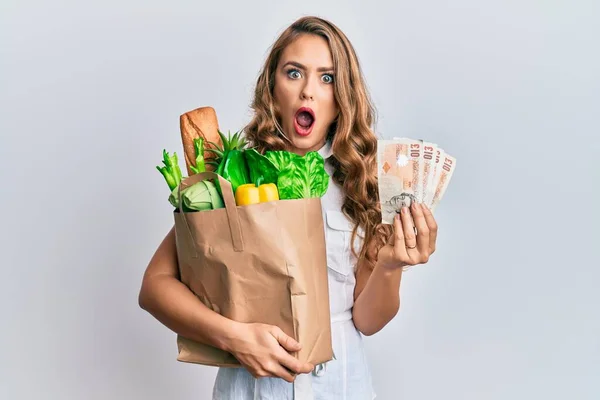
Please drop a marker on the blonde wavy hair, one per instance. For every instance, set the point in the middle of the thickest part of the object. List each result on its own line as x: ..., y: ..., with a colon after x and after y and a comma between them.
x: 354, y: 143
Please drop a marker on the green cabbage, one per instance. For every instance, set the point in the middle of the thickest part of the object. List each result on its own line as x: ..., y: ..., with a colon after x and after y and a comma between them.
x: 198, y: 197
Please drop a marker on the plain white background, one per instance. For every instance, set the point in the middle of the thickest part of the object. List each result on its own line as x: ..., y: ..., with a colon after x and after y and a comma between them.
x: 91, y: 93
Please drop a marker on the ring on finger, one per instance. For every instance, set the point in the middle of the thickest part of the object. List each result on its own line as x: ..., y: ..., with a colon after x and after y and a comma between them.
x: 416, y: 233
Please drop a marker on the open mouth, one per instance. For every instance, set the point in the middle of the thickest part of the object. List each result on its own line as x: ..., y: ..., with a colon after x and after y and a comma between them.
x: 304, y: 121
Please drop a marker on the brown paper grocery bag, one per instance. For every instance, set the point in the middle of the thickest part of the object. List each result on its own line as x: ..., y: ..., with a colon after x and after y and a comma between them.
x: 262, y: 263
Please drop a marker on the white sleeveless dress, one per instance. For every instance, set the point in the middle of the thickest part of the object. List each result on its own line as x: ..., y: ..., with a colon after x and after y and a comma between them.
x: 348, y: 376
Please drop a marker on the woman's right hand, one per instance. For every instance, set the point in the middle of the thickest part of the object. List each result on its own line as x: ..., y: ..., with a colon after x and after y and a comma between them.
x: 261, y: 349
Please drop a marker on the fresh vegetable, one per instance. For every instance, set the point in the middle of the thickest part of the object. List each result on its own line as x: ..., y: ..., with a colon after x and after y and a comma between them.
x: 202, y: 196
x: 199, y: 149
x: 254, y: 177
x: 174, y: 200
x: 268, y: 192
x: 247, y: 194
x: 299, y: 176
x: 251, y: 194
x: 198, y: 197
x: 228, y: 143
x: 261, y: 169
x: 231, y: 161
x: 233, y: 168
x: 296, y: 176
x: 170, y: 170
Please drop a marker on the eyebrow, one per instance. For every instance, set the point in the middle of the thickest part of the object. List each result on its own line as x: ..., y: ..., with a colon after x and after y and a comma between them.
x: 298, y: 65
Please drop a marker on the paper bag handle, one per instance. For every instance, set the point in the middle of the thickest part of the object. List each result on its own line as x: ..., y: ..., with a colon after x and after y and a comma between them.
x: 230, y: 206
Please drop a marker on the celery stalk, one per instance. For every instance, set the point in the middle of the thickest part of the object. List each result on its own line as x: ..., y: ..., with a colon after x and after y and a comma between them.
x: 199, y: 148
x: 170, y: 170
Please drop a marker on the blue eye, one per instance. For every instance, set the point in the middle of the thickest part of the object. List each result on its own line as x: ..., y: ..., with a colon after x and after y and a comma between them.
x: 295, y: 74
x: 290, y: 71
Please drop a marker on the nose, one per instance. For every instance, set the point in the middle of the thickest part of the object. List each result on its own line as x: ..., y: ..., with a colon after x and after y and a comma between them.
x: 308, y: 90
x: 305, y: 95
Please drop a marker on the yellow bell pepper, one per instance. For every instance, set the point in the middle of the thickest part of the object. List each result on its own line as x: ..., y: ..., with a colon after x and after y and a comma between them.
x: 248, y: 193
x: 268, y: 192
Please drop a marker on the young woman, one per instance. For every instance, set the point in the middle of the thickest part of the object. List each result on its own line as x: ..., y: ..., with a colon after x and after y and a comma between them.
x: 310, y: 96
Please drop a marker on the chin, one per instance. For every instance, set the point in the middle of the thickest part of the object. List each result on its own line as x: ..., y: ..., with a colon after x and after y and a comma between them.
x: 303, y: 143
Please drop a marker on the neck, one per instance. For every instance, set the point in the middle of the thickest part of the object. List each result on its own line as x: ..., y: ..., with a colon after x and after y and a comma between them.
x: 302, y: 152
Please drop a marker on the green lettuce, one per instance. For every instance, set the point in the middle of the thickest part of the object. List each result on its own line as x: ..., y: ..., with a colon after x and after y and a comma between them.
x: 299, y: 177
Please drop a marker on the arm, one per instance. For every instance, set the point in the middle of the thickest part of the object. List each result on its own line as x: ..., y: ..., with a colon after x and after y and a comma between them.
x: 377, y: 298
x: 260, y: 348
x: 377, y: 292
x: 172, y: 303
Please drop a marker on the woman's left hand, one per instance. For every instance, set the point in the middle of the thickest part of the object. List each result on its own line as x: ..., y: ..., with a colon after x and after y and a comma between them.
x: 405, y: 247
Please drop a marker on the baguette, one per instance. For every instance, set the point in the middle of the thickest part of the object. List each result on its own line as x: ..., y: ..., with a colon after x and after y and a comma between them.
x: 201, y: 122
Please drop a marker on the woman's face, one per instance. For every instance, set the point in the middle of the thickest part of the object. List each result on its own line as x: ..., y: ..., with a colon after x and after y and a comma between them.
x: 304, y: 92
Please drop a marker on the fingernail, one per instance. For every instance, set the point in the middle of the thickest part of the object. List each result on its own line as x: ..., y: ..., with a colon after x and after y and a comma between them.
x: 404, y: 210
